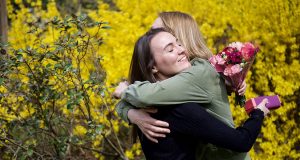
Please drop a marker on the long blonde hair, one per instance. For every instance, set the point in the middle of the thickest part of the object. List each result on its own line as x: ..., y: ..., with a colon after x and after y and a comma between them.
x: 186, y: 29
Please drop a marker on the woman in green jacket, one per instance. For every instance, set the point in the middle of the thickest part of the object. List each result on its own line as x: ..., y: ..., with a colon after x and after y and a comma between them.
x: 200, y: 84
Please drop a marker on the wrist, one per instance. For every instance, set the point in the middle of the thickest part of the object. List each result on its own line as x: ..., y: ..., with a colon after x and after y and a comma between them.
x: 264, y: 109
x: 130, y: 116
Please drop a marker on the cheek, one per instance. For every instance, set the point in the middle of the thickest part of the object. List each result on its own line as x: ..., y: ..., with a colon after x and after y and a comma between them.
x: 167, y: 64
x: 168, y: 60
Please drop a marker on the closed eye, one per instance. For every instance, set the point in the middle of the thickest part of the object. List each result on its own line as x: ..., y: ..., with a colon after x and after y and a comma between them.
x: 169, y: 47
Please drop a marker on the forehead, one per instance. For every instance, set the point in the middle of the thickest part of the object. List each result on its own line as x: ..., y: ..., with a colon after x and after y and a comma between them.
x: 161, y: 40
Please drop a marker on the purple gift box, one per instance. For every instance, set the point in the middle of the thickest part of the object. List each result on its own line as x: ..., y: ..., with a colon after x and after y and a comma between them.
x: 273, y: 102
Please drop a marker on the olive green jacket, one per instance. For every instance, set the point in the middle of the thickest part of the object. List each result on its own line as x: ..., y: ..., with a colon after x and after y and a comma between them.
x: 199, y: 84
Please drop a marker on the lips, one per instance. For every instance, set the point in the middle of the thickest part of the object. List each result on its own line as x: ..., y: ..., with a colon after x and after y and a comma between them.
x: 182, y: 59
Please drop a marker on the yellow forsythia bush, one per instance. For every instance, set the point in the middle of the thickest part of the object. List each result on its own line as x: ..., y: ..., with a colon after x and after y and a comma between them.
x: 273, y: 25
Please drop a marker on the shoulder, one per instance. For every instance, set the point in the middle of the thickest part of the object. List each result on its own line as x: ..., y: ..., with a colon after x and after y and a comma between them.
x: 200, y: 68
x: 200, y: 62
x: 202, y: 65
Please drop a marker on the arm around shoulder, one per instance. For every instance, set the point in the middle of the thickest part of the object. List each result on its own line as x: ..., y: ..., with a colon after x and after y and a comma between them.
x: 181, y: 88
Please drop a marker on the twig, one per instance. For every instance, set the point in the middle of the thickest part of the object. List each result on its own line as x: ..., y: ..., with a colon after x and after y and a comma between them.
x: 18, y: 145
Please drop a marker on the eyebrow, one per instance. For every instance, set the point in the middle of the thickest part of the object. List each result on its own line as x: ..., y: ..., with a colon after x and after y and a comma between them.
x: 169, y: 44
x: 177, y: 40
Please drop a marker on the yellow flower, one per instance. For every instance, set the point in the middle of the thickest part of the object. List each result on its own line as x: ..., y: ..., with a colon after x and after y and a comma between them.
x: 79, y: 130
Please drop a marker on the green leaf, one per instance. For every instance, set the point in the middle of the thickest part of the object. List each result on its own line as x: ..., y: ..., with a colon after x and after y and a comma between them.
x: 68, y: 67
x: 57, y: 65
x: 29, y: 152
x: 90, y: 81
x: 99, y: 129
x: 48, y: 65
x: 20, y: 57
x: 106, y: 27
x: 70, y: 92
x: 69, y: 105
x: 1, y: 81
x: 44, y: 99
x: 55, y: 20
x: 23, y: 157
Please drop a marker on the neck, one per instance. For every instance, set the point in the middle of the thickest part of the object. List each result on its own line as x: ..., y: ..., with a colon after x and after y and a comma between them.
x: 160, y: 77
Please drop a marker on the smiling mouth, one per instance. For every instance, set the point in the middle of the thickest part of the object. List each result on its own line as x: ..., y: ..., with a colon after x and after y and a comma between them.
x: 182, y: 59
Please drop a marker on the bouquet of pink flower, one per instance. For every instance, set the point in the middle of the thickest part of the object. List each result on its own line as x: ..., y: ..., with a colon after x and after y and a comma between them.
x: 233, y: 63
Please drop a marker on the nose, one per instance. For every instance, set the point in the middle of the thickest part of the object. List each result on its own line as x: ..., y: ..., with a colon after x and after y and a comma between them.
x: 181, y: 49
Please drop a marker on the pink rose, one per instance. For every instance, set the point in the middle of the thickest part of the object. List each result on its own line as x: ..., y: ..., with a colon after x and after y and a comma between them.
x: 228, y: 50
x: 227, y: 70
x: 232, y: 69
x: 214, y: 62
x: 236, y: 69
x: 248, y: 51
x: 237, y: 45
x: 220, y: 60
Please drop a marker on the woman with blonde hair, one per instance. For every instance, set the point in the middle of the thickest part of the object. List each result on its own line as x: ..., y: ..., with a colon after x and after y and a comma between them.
x: 185, y: 28
x: 208, y: 91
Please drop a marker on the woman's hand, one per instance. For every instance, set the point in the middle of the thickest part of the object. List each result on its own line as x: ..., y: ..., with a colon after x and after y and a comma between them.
x: 151, y: 128
x: 262, y: 106
x: 242, y: 88
x: 119, y: 89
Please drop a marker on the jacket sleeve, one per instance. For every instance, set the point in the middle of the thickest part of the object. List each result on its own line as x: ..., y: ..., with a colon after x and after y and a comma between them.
x: 194, y: 121
x: 122, y: 109
x: 187, y: 86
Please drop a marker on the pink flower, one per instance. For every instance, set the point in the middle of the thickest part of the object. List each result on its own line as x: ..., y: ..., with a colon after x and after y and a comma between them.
x: 236, y: 68
x: 237, y: 45
x: 213, y: 60
x: 235, y: 57
x: 232, y: 69
x: 220, y: 60
x: 234, y: 62
x: 248, y: 51
x: 228, y: 50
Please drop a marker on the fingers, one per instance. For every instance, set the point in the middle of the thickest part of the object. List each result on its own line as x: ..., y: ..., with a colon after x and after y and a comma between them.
x: 242, y: 88
x: 152, y: 133
x: 151, y: 128
x: 262, y: 106
x: 124, y: 83
x: 119, y: 89
x: 160, y: 123
x: 264, y: 102
x: 116, y: 95
x: 157, y: 129
x: 151, y: 138
x: 155, y: 135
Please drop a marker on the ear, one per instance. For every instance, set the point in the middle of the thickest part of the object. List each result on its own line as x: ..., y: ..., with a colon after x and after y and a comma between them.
x: 154, y: 70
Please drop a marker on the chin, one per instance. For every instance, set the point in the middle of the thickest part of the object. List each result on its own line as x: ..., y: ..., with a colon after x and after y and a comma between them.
x: 187, y: 65
x: 184, y: 68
